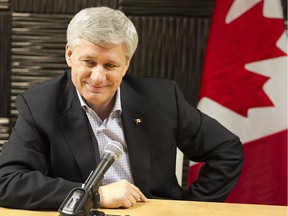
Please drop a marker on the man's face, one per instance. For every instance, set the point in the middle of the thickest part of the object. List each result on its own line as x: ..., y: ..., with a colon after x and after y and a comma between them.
x: 97, y: 71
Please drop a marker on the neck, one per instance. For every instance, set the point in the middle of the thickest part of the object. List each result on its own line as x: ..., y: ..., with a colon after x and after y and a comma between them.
x: 104, y: 111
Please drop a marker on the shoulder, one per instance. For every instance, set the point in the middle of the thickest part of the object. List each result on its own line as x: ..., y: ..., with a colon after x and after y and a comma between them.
x: 54, y: 84
x: 47, y: 88
x: 46, y: 93
x: 153, y: 90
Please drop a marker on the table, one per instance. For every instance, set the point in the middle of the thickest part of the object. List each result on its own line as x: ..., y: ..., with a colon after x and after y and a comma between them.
x: 175, y: 208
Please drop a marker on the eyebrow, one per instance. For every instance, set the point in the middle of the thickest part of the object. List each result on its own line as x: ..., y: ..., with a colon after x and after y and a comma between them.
x: 111, y: 61
x: 86, y: 56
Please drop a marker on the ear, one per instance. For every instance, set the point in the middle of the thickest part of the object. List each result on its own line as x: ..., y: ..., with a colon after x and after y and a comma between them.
x: 68, y: 55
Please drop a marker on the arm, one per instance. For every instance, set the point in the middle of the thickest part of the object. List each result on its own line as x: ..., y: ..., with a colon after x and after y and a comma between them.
x: 25, y: 167
x: 203, y: 139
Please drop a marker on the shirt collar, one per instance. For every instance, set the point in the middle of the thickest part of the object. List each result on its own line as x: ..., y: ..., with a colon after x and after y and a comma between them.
x: 117, y: 105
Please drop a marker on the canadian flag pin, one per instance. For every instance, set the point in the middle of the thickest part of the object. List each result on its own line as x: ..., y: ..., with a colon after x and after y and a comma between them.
x: 137, y: 121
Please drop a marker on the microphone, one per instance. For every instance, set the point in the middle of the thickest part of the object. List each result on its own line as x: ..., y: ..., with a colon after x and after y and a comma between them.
x: 80, y: 201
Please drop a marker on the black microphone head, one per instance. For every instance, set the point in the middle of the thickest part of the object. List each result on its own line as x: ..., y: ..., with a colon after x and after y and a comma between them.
x: 114, y: 148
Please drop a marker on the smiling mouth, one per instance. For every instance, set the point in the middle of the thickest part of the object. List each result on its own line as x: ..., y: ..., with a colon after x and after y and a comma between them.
x: 94, y: 88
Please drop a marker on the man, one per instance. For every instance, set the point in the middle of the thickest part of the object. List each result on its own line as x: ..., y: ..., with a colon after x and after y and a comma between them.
x: 64, y: 124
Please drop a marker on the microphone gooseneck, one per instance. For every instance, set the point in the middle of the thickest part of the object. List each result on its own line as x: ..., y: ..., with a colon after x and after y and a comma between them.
x: 113, y: 150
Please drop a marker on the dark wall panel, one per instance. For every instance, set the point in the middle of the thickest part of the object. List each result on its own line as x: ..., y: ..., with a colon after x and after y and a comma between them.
x: 5, y: 62
x: 173, y: 48
x: 190, y: 8
x: 58, y: 6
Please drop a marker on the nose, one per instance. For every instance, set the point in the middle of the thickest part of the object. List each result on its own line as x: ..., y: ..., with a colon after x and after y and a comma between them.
x: 98, y: 74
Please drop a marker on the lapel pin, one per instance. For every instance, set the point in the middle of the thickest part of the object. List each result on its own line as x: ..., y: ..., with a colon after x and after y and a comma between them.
x: 137, y: 121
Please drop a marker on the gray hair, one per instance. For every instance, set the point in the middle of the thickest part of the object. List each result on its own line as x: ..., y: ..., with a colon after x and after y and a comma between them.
x: 103, y: 26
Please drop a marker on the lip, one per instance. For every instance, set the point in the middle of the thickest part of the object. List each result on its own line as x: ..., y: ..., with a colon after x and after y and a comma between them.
x: 95, y: 88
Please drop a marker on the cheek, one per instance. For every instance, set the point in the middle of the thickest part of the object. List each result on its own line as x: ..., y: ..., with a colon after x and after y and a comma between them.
x: 74, y: 78
x: 122, y: 72
x: 77, y: 74
x: 79, y: 71
x: 117, y: 77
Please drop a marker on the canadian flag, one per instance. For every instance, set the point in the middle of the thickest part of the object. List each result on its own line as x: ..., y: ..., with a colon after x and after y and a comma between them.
x: 244, y: 87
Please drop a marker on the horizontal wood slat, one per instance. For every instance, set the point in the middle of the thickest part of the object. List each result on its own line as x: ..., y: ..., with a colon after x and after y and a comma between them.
x: 4, y: 131
x: 4, y: 4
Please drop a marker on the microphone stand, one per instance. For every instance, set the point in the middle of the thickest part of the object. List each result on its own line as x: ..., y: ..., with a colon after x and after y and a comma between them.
x: 80, y: 201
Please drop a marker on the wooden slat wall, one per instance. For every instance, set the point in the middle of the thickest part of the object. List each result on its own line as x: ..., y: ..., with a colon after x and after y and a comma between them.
x: 172, y: 35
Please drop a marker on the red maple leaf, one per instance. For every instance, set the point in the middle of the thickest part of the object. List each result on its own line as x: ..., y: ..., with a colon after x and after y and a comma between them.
x: 249, y: 38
